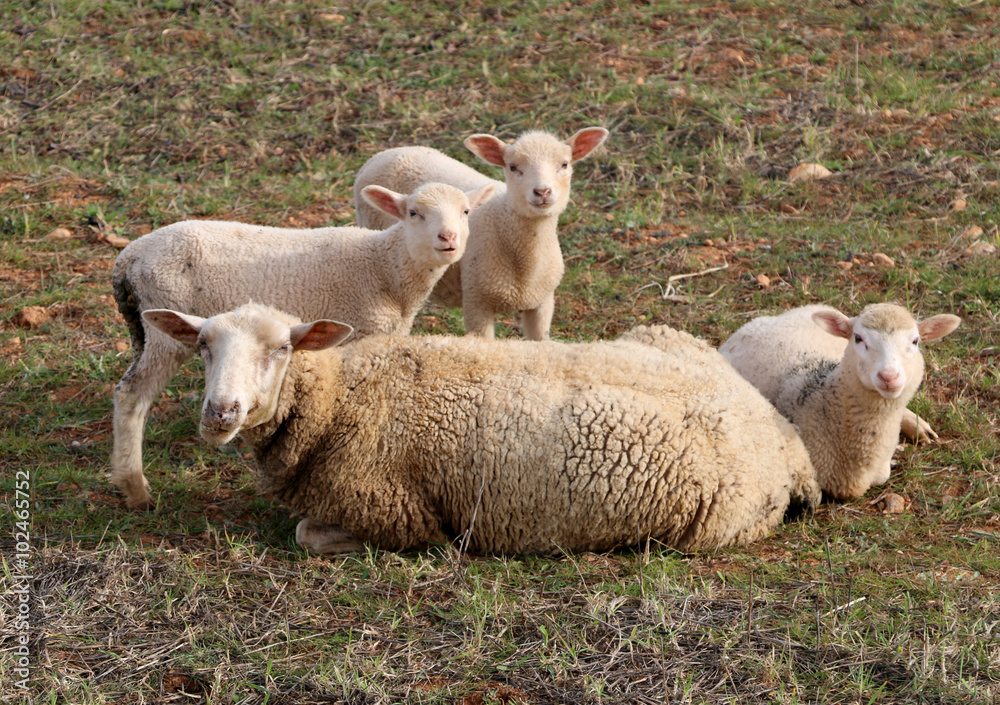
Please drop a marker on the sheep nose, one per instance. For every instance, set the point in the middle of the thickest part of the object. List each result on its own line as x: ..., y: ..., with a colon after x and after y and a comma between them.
x: 544, y: 192
x: 889, y: 377
x: 449, y: 238
x: 222, y: 416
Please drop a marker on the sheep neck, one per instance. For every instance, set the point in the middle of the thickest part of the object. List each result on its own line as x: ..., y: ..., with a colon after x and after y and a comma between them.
x: 517, y: 239
x: 404, y: 283
x: 856, y: 429
x: 306, y: 396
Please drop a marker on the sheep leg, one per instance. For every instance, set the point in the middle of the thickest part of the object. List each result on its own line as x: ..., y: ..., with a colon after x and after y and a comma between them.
x: 535, y: 322
x: 915, y: 429
x: 479, y: 319
x: 133, y: 397
x: 322, y: 538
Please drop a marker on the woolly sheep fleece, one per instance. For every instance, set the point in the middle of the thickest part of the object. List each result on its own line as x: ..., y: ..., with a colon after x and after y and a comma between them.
x: 583, y: 446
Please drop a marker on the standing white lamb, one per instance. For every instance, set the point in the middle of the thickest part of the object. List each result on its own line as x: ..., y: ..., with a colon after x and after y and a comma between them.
x: 528, y: 447
x: 375, y: 280
x: 513, y: 262
x: 844, y: 383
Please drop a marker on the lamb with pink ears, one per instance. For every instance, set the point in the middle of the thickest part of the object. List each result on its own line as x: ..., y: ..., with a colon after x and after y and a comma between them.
x: 374, y: 280
x: 844, y: 383
x: 513, y: 263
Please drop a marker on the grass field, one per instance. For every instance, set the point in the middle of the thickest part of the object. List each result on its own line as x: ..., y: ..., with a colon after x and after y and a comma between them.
x: 119, y: 117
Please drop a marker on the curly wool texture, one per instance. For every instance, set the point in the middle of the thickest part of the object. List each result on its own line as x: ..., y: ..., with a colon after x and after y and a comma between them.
x: 573, y: 446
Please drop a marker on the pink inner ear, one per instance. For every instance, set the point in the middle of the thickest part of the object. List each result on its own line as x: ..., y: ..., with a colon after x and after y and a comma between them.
x: 488, y: 148
x: 172, y: 324
x: 938, y: 326
x: 319, y: 335
x: 384, y: 200
x: 586, y: 141
x: 834, y: 323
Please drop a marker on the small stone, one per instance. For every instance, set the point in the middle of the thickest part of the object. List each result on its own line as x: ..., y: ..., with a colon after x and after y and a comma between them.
x: 763, y: 281
x: 844, y: 265
x: 808, y: 172
x: 59, y: 234
x: 959, y: 204
x: 789, y: 209
x: 121, y: 346
x: 973, y: 232
x: 883, y: 260
x: 891, y: 503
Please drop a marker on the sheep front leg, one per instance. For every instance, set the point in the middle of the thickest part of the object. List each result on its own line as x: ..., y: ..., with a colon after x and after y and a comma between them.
x: 535, y: 322
x: 133, y: 397
x: 915, y: 429
x: 321, y: 538
x: 479, y: 318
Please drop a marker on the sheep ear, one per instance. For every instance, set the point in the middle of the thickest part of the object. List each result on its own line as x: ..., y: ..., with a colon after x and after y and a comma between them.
x: 938, y: 326
x: 179, y: 326
x: 834, y: 323
x: 389, y: 202
x: 319, y: 335
x: 586, y: 141
x: 480, y: 196
x: 488, y: 148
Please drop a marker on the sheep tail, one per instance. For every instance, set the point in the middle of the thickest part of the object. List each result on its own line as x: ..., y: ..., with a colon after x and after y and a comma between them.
x: 128, y: 306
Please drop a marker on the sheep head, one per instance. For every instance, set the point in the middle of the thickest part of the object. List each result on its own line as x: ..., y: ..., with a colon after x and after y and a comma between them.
x: 538, y: 167
x: 246, y: 354
x: 884, y: 345
x: 435, y: 219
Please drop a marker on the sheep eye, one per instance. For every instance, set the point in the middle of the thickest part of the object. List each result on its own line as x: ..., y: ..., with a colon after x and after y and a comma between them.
x: 916, y: 341
x: 413, y: 213
x: 466, y: 211
x: 513, y: 167
x: 564, y: 165
x: 857, y: 339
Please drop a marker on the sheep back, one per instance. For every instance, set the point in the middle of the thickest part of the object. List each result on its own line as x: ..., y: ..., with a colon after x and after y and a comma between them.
x: 572, y: 446
x: 203, y: 267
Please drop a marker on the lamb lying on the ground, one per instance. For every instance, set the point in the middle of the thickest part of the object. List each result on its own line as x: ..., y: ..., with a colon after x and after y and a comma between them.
x: 844, y: 383
x: 529, y: 447
x: 376, y: 281
x: 513, y: 263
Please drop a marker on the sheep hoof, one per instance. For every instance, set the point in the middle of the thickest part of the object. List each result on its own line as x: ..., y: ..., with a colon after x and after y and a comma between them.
x: 916, y: 429
x: 321, y: 538
x: 137, y: 498
x: 140, y: 504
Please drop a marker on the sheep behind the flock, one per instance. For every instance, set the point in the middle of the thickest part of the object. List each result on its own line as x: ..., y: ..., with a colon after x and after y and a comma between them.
x: 844, y: 382
x: 376, y: 281
x: 530, y: 447
x: 513, y: 263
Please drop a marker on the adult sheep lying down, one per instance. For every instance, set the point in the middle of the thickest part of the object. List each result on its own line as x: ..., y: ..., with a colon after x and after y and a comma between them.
x: 539, y: 447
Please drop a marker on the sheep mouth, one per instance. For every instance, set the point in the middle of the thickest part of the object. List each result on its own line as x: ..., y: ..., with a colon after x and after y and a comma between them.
x: 890, y: 392
x: 217, y: 436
